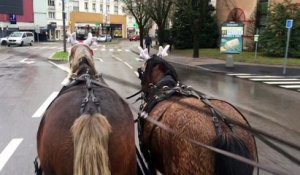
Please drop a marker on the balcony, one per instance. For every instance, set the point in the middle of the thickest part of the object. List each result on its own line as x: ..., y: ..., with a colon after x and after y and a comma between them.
x: 51, y: 7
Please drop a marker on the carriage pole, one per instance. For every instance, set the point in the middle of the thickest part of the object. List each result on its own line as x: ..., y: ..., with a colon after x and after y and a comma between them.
x: 64, y: 24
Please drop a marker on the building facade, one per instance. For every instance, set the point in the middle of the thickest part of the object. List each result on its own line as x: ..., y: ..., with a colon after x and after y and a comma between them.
x: 24, y: 22
x: 40, y: 19
x: 98, y: 17
x: 245, y: 11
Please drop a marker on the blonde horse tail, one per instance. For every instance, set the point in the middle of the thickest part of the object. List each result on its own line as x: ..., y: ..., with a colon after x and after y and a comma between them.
x: 90, y: 138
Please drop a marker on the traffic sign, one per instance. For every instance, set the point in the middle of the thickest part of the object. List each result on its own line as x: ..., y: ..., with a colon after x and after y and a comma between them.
x: 135, y: 25
x: 289, y: 23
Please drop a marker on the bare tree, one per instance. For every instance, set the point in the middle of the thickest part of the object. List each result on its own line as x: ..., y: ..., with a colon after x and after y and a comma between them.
x: 159, y: 10
x: 137, y: 8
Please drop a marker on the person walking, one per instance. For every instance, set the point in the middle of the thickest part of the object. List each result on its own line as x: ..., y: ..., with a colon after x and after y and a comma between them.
x: 148, y: 43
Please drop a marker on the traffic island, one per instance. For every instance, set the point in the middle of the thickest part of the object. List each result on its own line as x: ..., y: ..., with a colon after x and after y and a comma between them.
x: 60, y: 56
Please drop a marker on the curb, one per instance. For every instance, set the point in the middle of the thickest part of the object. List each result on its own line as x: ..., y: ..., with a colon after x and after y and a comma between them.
x: 241, y: 107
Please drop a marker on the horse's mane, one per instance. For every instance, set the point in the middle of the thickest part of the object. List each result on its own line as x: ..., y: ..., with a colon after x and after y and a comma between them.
x: 155, y: 60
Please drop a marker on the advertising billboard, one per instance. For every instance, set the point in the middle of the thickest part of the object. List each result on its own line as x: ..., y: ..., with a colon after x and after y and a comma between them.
x: 11, y: 7
x: 232, y: 38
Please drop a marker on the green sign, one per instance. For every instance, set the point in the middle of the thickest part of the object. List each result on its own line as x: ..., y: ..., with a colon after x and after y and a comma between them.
x: 97, y: 24
x: 135, y: 25
x: 232, y: 38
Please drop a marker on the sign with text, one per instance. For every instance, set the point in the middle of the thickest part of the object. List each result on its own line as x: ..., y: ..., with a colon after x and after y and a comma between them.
x: 11, y: 6
x: 232, y: 38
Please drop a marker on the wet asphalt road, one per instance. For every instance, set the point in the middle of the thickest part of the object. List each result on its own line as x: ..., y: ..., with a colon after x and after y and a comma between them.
x: 26, y: 84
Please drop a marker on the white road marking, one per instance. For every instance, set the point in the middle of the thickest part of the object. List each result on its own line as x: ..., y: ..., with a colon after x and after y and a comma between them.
x: 119, y: 59
x: 99, y: 59
x: 119, y: 50
x: 138, y: 59
x: 103, y: 49
x: 273, y: 79
x: 65, y: 81
x: 128, y: 65
x: 136, y: 73
x: 27, y: 61
x: 259, y: 76
x: 127, y: 50
x: 44, y: 106
x: 290, y: 86
x: 236, y: 74
x: 111, y: 50
x: 9, y: 150
x: 283, y: 82
x: 61, y: 67
x: 95, y: 49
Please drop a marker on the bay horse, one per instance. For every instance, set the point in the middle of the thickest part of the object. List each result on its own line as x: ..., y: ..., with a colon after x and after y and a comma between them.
x: 175, y: 106
x: 88, y: 129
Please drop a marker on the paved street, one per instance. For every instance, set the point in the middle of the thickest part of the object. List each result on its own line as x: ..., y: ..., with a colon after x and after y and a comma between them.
x: 31, y: 82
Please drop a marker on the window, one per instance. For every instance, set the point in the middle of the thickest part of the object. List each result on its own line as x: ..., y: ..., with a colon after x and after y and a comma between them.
x: 51, y: 15
x: 94, y: 7
x: 101, y: 8
x: 75, y: 6
x: 116, y: 9
x: 107, y: 9
x: 86, y: 6
x: 51, y: 3
x: 123, y: 9
x: 108, y: 1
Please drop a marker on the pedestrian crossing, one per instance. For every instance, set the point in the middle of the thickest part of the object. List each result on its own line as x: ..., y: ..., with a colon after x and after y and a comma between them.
x: 292, y: 83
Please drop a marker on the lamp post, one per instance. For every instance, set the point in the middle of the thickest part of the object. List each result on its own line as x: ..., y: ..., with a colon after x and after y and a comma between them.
x: 64, y: 25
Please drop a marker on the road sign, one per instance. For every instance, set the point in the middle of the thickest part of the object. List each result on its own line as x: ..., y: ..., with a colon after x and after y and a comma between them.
x: 256, y: 38
x: 289, y: 23
x: 135, y: 25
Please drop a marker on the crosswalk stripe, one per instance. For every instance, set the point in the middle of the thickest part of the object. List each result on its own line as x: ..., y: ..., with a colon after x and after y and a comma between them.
x: 274, y: 79
x: 259, y: 76
x: 99, y: 59
x: 111, y: 50
x: 281, y: 82
x: 119, y: 50
x: 127, y: 50
x: 103, y: 49
x: 290, y: 86
x: 238, y: 74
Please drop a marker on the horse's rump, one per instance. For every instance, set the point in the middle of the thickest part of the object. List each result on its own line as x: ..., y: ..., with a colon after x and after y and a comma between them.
x: 172, y: 154
x: 55, y: 142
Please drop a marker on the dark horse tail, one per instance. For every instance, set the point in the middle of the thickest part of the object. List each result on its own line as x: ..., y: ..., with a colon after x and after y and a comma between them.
x: 90, y: 138
x: 228, y: 166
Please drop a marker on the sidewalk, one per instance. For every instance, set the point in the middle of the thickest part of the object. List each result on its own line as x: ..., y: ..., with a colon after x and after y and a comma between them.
x: 217, y: 65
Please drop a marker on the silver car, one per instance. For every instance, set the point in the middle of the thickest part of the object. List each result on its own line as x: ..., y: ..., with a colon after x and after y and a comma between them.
x: 20, y: 38
x: 104, y: 38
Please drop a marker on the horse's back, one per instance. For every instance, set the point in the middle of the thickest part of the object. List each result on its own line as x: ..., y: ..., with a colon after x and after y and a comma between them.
x: 191, y: 118
x: 55, y: 142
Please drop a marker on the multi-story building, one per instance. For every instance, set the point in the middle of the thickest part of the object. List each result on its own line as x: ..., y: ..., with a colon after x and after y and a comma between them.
x: 245, y: 11
x: 98, y: 17
x: 40, y: 19
x: 24, y: 21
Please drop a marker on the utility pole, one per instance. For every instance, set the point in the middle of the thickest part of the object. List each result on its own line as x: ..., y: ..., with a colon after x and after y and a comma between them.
x: 64, y: 25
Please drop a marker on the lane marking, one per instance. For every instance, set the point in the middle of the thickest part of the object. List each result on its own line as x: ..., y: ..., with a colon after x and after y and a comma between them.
x: 111, y: 50
x: 9, y: 150
x: 119, y: 59
x: 27, y: 61
x: 103, y: 49
x: 100, y: 59
x: 290, y: 86
x: 65, y: 81
x: 281, y: 82
x: 127, y: 50
x: 66, y: 69
x: 138, y: 59
x: 128, y: 65
x: 274, y: 79
x: 136, y: 73
x: 119, y: 50
x: 44, y: 106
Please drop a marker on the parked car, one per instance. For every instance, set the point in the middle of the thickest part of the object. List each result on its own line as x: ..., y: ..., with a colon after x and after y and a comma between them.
x: 3, y: 41
x: 134, y: 38
x: 20, y: 38
x: 104, y: 38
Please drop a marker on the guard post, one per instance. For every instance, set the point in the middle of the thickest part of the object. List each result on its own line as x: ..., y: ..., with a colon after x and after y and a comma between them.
x: 231, y: 40
x: 288, y: 25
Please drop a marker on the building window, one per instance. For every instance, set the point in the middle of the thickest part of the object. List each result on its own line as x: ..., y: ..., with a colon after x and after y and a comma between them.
x: 51, y: 3
x: 94, y: 7
x: 108, y: 1
x: 75, y: 6
x: 51, y: 15
x: 86, y: 6
x: 116, y: 9
x: 107, y: 9
x: 123, y: 9
x: 101, y: 8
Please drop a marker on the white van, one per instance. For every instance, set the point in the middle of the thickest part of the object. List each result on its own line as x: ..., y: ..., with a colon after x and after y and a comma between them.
x: 20, y: 38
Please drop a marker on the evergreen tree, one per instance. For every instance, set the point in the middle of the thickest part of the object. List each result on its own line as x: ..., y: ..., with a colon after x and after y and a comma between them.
x: 273, y: 39
x: 182, y: 32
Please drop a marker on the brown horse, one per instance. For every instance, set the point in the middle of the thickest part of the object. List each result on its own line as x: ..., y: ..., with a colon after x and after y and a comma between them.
x: 176, y: 107
x: 88, y: 129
